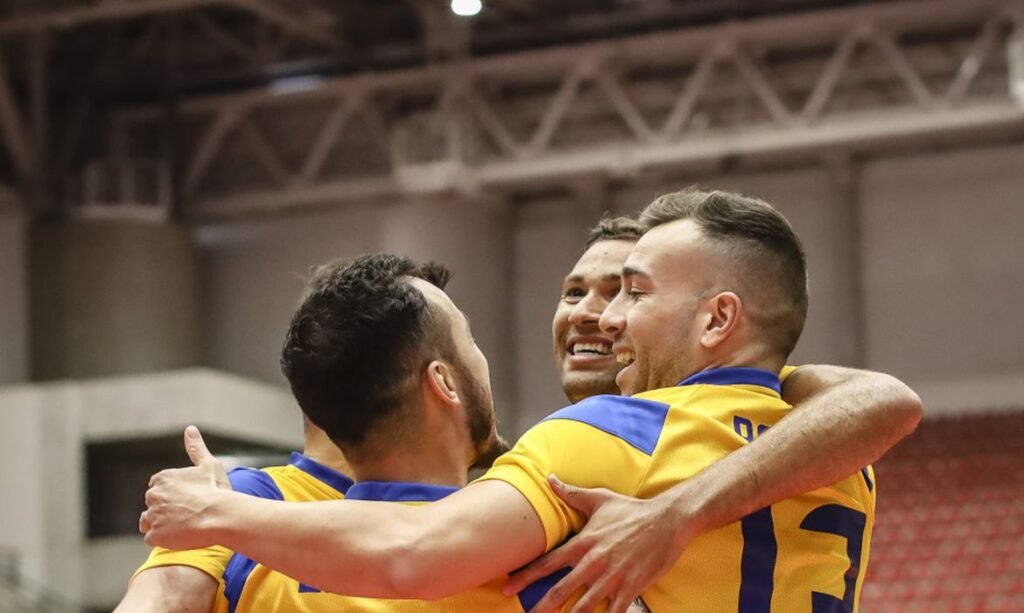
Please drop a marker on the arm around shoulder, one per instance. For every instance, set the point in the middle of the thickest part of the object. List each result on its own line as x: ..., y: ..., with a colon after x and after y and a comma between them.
x: 177, y: 589
x: 876, y: 400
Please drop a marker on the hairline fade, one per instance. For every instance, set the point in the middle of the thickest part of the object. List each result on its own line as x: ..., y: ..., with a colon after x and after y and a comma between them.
x: 756, y: 237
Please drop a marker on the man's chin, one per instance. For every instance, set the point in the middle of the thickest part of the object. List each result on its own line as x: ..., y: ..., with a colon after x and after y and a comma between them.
x: 626, y: 382
x: 580, y: 386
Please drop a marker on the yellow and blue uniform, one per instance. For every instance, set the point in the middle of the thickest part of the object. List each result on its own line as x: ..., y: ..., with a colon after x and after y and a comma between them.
x: 301, y: 480
x: 251, y: 587
x: 808, y: 553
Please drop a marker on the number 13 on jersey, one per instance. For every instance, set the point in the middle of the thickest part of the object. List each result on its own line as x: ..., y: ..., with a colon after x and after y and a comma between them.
x: 760, y: 554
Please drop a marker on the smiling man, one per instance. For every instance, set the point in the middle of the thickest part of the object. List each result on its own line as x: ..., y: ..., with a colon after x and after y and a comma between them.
x: 583, y: 353
x: 704, y: 312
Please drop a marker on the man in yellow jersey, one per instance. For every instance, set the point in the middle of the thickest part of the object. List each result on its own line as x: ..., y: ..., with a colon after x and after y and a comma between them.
x: 407, y: 443
x: 627, y: 542
x: 193, y: 580
x: 176, y: 581
x: 721, y: 347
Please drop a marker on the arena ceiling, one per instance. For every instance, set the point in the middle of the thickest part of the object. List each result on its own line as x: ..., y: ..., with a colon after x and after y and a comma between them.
x: 143, y: 50
x: 98, y: 97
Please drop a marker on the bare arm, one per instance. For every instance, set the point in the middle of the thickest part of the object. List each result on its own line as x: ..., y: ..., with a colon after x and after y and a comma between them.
x: 169, y: 589
x: 381, y: 550
x: 842, y: 420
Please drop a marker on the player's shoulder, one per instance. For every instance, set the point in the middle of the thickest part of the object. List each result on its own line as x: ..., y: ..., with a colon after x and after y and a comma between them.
x: 256, y: 482
x: 637, y: 421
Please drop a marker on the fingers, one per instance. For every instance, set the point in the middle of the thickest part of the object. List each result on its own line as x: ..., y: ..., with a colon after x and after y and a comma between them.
x: 591, y: 598
x: 195, y: 447
x: 144, y: 524
x: 622, y: 604
x: 584, y: 500
x: 564, y: 556
x: 566, y: 587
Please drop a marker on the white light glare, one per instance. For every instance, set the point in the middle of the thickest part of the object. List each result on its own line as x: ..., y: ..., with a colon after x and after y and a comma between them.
x: 290, y: 85
x: 466, y: 8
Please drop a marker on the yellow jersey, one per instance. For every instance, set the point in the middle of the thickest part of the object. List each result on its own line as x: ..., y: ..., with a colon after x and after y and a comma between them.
x: 250, y: 587
x: 301, y: 480
x: 808, y: 553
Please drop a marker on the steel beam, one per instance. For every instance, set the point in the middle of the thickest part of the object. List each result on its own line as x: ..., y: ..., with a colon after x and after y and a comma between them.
x: 316, y: 26
x: 795, y: 84
x: 13, y: 128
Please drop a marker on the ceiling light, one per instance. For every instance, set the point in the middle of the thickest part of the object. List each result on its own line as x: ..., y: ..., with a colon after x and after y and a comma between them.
x: 466, y: 8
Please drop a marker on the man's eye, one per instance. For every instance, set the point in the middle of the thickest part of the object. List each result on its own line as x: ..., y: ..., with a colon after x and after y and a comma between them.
x: 573, y: 294
x: 613, y: 292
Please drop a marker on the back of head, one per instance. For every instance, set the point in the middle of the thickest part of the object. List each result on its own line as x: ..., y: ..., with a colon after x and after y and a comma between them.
x: 763, y: 252
x: 359, y: 340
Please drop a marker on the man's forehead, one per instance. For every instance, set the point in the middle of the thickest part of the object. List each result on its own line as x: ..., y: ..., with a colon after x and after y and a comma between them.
x: 664, y: 245
x: 602, y: 260
x: 669, y: 237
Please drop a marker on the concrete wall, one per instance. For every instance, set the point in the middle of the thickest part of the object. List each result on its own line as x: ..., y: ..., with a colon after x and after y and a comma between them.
x: 112, y: 297
x: 14, y: 303
x: 945, y: 263
x: 915, y: 268
x: 549, y: 239
x: 254, y: 271
x: 43, y: 432
x: 944, y: 274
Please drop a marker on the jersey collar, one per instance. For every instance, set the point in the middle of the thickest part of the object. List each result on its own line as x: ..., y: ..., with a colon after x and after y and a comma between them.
x: 398, y: 491
x: 320, y: 472
x: 735, y: 375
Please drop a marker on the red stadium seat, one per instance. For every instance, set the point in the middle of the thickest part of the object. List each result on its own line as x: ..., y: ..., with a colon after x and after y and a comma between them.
x: 949, y: 534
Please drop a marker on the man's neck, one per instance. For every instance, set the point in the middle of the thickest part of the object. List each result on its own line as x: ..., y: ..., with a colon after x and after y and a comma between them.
x: 747, y: 357
x: 322, y: 450
x: 410, y: 466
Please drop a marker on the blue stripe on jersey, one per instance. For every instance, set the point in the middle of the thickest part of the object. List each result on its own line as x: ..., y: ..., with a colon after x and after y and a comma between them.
x: 254, y: 483
x: 320, y: 472
x: 398, y: 491
x: 235, y: 575
x: 634, y: 420
x: 867, y: 478
x: 736, y: 375
x: 532, y: 593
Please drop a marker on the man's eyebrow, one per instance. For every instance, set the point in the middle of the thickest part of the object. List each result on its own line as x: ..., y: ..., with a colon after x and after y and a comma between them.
x: 612, y: 276
x: 629, y: 271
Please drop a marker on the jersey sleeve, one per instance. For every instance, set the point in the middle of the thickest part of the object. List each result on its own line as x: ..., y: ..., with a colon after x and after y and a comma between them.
x: 786, y: 371
x: 214, y: 560
x: 605, y: 441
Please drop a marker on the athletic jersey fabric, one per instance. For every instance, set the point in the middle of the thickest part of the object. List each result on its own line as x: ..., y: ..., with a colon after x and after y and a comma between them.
x: 301, y: 480
x: 804, y: 554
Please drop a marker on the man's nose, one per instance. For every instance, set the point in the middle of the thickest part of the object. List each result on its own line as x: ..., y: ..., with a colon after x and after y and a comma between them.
x: 613, y: 320
x: 587, y: 311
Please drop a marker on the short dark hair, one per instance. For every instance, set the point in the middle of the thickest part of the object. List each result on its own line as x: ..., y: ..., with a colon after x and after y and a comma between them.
x: 359, y: 340
x: 614, y: 229
x: 759, y: 239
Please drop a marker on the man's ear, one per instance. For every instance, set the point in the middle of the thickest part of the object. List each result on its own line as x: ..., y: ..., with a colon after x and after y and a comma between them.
x: 723, y: 313
x: 441, y: 382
